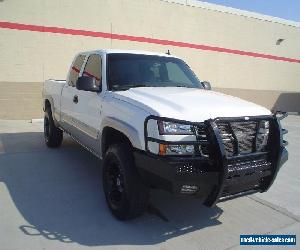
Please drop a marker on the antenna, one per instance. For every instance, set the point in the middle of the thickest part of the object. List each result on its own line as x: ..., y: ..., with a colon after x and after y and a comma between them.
x: 279, y: 41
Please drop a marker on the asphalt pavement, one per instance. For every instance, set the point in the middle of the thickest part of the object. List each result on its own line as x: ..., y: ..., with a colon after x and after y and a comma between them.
x: 53, y: 199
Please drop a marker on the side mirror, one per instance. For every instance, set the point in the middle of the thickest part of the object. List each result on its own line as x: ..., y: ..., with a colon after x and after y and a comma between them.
x: 206, y: 85
x: 87, y: 83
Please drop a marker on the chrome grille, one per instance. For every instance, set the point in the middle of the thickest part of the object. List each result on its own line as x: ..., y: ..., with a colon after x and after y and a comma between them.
x: 227, y: 138
x: 245, y: 133
x: 200, y: 132
x: 201, y: 136
x: 238, y: 137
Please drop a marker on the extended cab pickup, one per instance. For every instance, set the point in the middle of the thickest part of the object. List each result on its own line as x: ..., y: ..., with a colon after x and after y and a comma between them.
x: 155, y: 125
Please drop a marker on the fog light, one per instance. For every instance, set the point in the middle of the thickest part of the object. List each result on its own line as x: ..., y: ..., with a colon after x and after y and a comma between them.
x: 189, y: 189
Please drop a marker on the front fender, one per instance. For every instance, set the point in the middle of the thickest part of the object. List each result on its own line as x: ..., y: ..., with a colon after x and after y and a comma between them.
x: 128, y: 130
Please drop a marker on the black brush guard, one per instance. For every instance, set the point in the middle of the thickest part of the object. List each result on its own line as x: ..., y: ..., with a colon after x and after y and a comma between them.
x: 245, y: 174
x: 236, y: 175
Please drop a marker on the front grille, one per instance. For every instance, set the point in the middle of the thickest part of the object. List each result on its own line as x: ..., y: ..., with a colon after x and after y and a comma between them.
x: 245, y: 133
x: 238, y: 137
x: 201, y: 136
x: 227, y: 138
x: 200, y: 132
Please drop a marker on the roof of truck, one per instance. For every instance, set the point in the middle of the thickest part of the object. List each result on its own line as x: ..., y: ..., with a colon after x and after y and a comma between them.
x: 117, y: 51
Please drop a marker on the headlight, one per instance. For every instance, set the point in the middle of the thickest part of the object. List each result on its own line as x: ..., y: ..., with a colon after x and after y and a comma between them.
x: 176, y: 149
x: 262, y: 135
x: 171, y: 128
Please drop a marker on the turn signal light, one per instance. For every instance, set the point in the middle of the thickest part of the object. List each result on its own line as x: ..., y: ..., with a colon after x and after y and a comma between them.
x: 176, y: 149
x: 162, y: 149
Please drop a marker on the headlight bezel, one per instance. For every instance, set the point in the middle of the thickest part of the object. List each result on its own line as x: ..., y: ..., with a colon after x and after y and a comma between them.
x: 173, y: 135
x: 165, y: 128
x: 170, y: 127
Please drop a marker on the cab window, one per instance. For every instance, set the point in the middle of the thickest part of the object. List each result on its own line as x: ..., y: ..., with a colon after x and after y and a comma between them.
x: 75, y: 69
x: 93, y: 68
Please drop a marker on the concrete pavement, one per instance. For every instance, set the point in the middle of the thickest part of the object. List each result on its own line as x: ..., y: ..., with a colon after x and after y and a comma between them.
x: 53, y: 199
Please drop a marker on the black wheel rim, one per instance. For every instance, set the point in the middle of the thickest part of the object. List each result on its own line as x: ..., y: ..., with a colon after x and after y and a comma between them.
x: 46, y: 128
x: 114, y: 181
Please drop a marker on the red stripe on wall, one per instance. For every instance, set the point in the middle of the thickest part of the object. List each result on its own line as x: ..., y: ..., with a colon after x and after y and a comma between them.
x: 47, y: 29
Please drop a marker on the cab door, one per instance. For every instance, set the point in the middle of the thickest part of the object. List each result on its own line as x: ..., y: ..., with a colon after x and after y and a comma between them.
x: 87, y: 108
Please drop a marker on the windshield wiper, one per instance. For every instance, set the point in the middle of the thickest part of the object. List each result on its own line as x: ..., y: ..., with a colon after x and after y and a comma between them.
x: 174, y: 84
x: 180, y: 86
x: 128, y: 86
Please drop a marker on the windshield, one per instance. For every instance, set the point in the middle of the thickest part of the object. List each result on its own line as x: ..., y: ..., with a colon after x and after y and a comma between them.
x: 125, y: 71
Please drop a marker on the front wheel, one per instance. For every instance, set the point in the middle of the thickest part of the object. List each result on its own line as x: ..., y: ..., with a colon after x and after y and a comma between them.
x: 52, y: 134
x: 126, y: 195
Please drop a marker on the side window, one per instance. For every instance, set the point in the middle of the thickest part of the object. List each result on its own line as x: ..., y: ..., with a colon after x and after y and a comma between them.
x: 93, y: 68
x: 76, y: 66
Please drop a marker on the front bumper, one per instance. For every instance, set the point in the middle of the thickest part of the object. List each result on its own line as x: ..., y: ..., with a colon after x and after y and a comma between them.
x: 172, y: 173
x: 218, y: 177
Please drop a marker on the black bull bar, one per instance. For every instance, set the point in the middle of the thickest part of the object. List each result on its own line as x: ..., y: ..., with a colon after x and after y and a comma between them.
x: 237, y: 175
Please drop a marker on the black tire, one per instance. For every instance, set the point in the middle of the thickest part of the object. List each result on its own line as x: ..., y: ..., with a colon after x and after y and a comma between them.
x: 52, y: 134
x: 126, y: 195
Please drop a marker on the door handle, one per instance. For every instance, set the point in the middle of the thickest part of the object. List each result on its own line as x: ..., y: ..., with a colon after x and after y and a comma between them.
x: 75, y: 99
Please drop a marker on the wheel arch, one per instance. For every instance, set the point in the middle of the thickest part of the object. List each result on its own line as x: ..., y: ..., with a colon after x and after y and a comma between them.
x: 118, y: 131
x: 112, y: 136
x: 48, y: 103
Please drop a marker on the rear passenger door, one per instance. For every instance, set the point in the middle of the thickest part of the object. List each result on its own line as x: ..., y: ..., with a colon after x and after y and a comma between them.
x: 87, y: 111
x: 67, y: 98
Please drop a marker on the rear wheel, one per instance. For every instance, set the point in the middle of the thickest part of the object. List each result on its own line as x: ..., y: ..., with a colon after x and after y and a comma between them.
x: 52, y: 134
x: 127, y: 197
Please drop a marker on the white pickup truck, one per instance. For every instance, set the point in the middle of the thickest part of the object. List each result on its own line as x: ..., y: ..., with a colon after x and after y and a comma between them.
x: 155, y: 125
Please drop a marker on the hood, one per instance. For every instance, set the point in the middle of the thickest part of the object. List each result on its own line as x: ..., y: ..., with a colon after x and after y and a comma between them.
x: 189, y: 104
